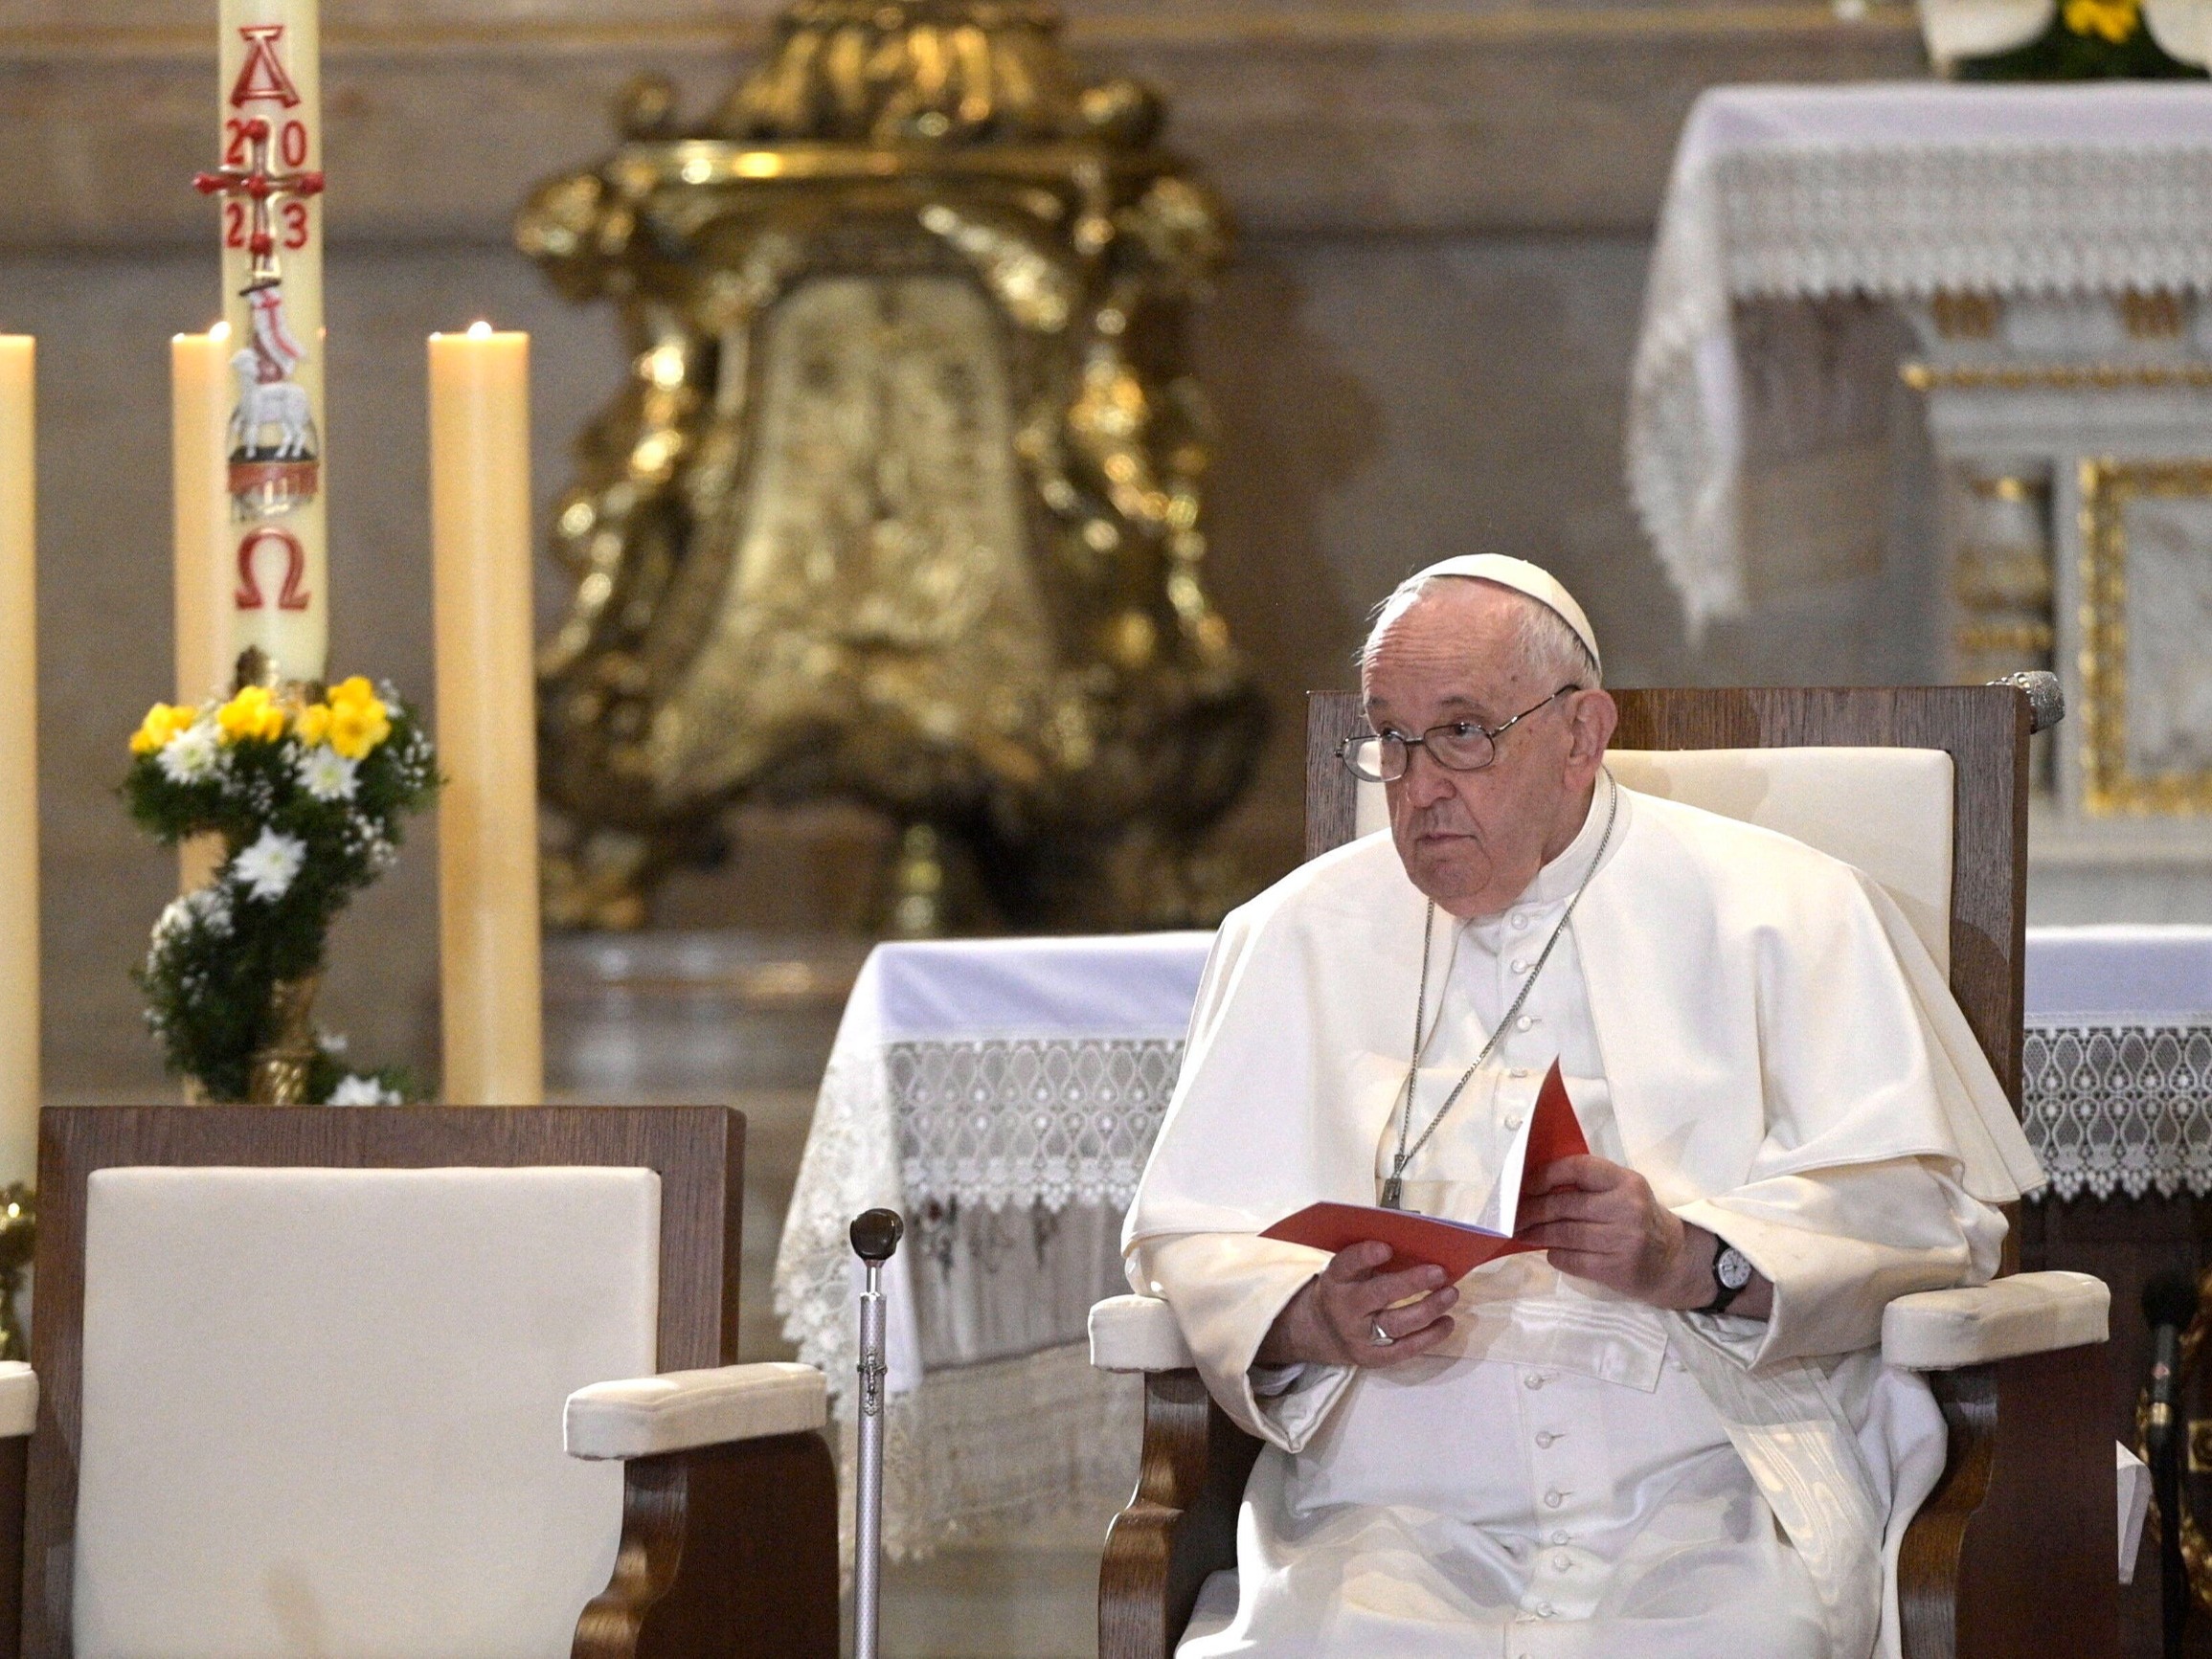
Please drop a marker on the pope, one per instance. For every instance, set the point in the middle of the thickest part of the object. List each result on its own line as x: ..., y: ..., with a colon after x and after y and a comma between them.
x: 1670, y: 1432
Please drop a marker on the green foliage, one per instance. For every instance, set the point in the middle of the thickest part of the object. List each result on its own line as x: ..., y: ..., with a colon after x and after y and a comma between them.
x: 2099, y: 40
x: 303, y: 829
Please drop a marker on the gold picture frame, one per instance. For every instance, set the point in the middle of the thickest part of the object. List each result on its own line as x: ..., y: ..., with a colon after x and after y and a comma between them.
x: 2114, y: 783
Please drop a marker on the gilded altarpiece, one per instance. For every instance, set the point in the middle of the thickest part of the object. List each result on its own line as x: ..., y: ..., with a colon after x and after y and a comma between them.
x: 903, y: 500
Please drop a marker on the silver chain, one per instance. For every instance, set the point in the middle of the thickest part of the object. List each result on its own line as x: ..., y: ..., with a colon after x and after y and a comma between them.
x: 1394, y: 1188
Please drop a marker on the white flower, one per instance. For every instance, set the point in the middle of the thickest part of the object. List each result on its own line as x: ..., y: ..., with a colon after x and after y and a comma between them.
x: 325, y: 774
x: 354, y: 1090
x: 211, y: 907
x: 191, y: 755
x: 267, y: 867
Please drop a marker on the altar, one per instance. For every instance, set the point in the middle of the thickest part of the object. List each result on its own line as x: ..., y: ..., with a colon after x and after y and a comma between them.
x: 1003, y: 1096
x: 1950, y: 339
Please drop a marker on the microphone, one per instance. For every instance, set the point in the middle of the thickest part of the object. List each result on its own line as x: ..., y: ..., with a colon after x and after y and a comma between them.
x: 2169, y: 1305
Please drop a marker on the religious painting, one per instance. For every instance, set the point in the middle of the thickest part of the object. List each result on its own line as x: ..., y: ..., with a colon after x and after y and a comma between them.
x: 2147, y: 683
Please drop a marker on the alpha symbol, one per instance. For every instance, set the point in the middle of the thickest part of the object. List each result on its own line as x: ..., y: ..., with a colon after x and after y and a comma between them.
x: 262, y: 79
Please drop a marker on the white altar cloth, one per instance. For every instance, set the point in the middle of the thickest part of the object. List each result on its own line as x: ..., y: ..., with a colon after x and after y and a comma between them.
x: 1003, y: 1096
x: 1888, y: 191
x: 2117, y: 1066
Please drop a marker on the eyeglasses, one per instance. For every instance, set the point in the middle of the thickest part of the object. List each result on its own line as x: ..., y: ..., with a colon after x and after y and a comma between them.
x: 1461, y: 746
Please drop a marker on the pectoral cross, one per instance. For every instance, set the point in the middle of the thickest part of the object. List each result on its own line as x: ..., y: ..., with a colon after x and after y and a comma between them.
x: 260, y: 188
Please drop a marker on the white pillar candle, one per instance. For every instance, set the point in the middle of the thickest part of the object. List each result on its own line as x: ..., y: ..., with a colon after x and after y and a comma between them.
x: 269, y: 184
x: 200, y: 526
x: 20, y: 1079
x: 200, y: 512
x: 487, y: 719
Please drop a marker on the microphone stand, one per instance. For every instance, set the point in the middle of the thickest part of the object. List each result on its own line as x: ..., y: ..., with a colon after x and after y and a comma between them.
x: 875, y: 1236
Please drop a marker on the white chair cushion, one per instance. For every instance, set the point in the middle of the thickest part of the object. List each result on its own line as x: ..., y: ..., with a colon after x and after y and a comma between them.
x: 682, y: 1410
x: 2025, y: 1314
x: 322, y: 1408
x: 18, y: 1398
x: 1886, y: 811
x: 1137, y: 1334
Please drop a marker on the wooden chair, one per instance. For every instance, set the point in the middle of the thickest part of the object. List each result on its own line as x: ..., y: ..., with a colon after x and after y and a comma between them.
x: 2014, y: 1551
x: 299, y: 1378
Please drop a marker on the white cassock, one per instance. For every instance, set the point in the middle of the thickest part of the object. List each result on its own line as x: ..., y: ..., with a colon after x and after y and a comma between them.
x: 1751, y: 1025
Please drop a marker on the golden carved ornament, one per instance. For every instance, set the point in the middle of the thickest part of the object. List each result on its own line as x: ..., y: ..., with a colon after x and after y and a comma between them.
x: 903, y: 502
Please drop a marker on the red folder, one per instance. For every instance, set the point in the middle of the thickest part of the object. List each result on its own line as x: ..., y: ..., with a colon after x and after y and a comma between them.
x: 1552, y: 1131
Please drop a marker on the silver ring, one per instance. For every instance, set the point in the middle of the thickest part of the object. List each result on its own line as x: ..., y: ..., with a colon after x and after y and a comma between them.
x: 1383, y: 1338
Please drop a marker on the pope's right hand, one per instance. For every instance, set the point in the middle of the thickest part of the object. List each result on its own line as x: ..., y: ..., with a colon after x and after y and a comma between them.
x: 1340, y: 1314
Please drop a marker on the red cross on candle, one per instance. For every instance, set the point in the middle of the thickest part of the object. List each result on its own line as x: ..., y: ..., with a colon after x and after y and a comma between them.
x: 258, y: 187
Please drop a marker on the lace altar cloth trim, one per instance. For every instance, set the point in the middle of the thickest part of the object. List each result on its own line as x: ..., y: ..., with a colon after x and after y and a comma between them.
x: 1888, y: 221
x: 1026, y: 1121
x: 2119, y: 1108
x: 1009, y: 1450
x: 1040, y: 1452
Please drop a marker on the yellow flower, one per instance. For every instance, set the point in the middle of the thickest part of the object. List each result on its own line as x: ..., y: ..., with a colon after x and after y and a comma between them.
x: 2116, y: 20
x: 163, y: 722
x: 356, y: 727
x: 314, y: 725
x: 252, y: 713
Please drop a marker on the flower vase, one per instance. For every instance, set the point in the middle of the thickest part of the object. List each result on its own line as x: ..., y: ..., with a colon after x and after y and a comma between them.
x: 279, y: 1066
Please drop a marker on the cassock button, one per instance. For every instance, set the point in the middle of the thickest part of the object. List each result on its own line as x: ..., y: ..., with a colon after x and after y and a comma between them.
x: 1554, y: 1498
x: 1513, y: 1122
x: 1546, y: 1439
x: 1545, y: 1611
x: 1518, y: 1071
x: 1533, y: 1380
x: 1563, y: 1563
x: 1519, y: 922
x: 1519, y: 966
x: 1559, y: 1537
x: 1523, y: 1022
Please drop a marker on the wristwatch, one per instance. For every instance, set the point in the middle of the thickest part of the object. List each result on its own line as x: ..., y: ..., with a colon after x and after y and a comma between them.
x: 1731, y: 1272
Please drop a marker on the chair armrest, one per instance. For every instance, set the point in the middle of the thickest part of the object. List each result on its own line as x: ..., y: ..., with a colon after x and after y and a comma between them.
x: 18, y: 1398
x: 1137, y: 1334
x: 2024, y: 1314
x: 686, y: 1410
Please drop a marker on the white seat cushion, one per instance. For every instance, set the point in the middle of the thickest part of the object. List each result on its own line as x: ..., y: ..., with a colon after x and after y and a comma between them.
x: 322, y: 1408
x: 684, y: 1410
x: 1973, y: 1325
x: 1886, y: 811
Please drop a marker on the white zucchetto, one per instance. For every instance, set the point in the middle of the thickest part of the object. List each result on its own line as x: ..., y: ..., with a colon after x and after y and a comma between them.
x: 1522, y: 577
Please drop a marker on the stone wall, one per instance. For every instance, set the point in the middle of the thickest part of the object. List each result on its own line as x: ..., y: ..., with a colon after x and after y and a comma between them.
x: 1423, y: 347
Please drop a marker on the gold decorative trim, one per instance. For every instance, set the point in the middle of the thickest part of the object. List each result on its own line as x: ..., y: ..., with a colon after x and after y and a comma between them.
x: 2109, y: 788
x: 2056, y: 377
x: 1965, y: 314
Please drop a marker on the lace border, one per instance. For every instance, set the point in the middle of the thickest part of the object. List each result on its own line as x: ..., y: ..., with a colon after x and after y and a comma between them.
x: 2117, y: 1107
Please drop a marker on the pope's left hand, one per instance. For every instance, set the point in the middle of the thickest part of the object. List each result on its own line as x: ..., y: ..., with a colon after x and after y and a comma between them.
x: 1600, y: 1221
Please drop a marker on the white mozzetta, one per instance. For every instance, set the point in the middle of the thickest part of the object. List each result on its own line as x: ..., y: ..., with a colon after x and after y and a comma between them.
x: 322, y: 1408
x: 684, y: 1410
x: 18, y: 1398
x: 1889, y: 191
x: 1137, y: 1334
x: 2025, y: 1314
